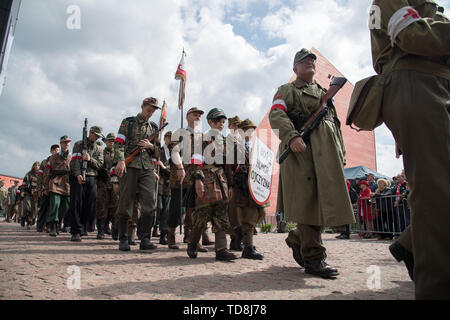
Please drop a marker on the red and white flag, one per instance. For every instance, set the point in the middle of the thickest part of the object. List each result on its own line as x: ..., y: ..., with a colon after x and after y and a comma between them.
x: 163, y: 118
x: 181, y: 75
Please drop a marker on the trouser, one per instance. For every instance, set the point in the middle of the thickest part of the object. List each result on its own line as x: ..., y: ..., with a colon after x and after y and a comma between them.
x: 29, y: 207
x: 43, y: 211
x: 142, y: 182
x: 107, y: 203
x: 233, y: 215
x: 83, y: 198
x: 310, y: 239
x: 416, y: 109
x: 250, y: 217
x: 58, y: 207
x: 175, y: 213
x: 12, y: 211
x: 163, y: 212
x: 218, y: 215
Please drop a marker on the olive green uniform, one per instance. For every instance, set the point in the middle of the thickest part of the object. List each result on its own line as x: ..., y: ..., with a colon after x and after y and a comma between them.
x: 312, y: 189
x: 416, y: 108
x: 3, y: 200
x: 30, y: 200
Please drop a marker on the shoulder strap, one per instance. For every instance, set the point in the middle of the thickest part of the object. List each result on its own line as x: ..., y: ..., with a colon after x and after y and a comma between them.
x: 388, y: 68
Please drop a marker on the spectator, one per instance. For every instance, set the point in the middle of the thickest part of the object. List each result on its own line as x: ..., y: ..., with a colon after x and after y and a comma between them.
x: 384, y: 206
x: 364, y: 209
x: 401, y: 216
x: 357, y: 182
x: 373, y: 186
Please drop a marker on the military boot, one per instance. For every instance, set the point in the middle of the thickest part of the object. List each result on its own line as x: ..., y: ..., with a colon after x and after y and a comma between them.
x: 205, y: 238
x: 115, y: 234
x: 53, y: 229
x: 84, y: 233
x: 201, y: 248
x: 146, y: 234
x: 225, y: 255
x: 106, y: 227
x: 400, y: 253
x: 294, y: 243
x: 131, y: 233
x: 250, y: 252
x: 100, y: 229
x: 163, y: 238
x: 238, y: 239
x: 320, y: 268
x: 194, y: 240
x: 58, y: 228
x: 123, y: 235
x: 171, y: 239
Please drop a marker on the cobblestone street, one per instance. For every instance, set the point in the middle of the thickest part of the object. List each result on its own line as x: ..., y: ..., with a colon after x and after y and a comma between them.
x: 35, y: 266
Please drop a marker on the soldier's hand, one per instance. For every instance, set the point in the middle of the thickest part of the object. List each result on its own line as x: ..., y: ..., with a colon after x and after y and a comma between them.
x: 161, y: 164
x: 86, y: 157
x: 199, y: 188
x: 120, y: 169
x: 181, y: 174
x: 297, y: 145
x: 145, y: 144
x: 80, y: 179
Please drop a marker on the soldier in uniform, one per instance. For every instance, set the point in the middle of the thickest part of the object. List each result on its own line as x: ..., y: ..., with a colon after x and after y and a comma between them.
x: 416, y: 109
x: 12, y: 201
x: 56, y: 186
x: 44, y: 199
x: 83, y: 192
x: 29, y: 193
x: 107, y: 199
x: 140, y: 175
x: 249, y: 212
x: 312, y: 191
x: 3, y: 199
x: 210, y: 176
x: 235, y: 231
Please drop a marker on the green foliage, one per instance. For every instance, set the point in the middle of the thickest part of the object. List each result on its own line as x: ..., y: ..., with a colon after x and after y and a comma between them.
x: 291, y: 226
x: 267, y: 227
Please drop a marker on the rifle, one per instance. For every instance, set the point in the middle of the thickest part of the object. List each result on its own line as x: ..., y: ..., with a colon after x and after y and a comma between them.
x: 313, y: 122
x: 137, y: 150
x: 85, y: 148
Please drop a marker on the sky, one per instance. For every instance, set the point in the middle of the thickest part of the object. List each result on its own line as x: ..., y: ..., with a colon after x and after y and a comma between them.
x: 101, y: 66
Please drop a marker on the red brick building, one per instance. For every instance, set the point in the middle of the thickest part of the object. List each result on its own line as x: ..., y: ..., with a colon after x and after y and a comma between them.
x: 7, y: 180
x: 360, y: 146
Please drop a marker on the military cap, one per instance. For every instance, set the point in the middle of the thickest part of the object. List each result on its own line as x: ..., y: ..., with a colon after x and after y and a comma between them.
x: 65, y: 138
x: 215, y: 113
x: 234, y: 120
x: 302, y: 54
x: 97, y: 130
x: 168, y: 134
x: 247, y: 123
x: 151, y: 101
x: 110, y: 136
x: 195, y: 109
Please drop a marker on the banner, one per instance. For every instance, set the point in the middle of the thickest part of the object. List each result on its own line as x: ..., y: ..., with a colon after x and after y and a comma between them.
x: 181, y: 75
x: 260, y: 176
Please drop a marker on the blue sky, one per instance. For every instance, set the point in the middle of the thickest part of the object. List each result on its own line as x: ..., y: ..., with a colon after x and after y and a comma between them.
x: 238, y: 53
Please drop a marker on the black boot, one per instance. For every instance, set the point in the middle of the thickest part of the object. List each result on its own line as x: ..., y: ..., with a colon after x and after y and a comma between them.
x: 238, y: 239
x: 163, y: 238
x: 320, y: 268
x: 22, y: 222
x: 192, y: 250
x: 296, y: 253
x: 401, y: 254
x: 146, y: 225
x: 100, y: 229
x: 123, y: 235
x: 194, y: 238
x: 84, y: 232
x: 53, y: 229
x: 250, y: 252
x: 106, y: 228
x: 115, y: 234
x: 58, y: 227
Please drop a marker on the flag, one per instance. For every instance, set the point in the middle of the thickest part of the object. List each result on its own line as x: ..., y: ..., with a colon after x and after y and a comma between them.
x: 181, y: 75
x: 163, y: 118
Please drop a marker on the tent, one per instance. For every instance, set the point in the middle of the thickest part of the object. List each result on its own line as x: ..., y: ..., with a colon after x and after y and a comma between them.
x: 361, y: 171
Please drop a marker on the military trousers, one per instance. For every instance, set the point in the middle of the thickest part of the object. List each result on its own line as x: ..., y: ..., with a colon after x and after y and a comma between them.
x: 310, y: 240
x: 217, y: 214
x: 233, y: 216
x: 58, y: 207
x: 107, y: 202
x: 43, y: 211
x: 133, y: 182
x: 416, y: 108
x: 83, y: 198
x: 176, y: 210
x: 163, y: 212
x: 30, y: 207
x: 250, y: 217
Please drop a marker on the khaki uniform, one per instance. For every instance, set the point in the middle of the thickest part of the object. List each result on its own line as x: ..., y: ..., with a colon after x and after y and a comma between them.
x: 56, y: 182
x: 3, y: 200
x: 312, y: 189
x: 233, y: 216
x: 30, y: 200
x: 44, y: 199
x: 164, y: 193
x: 13, y: 197
x: 140, y: 176
x: 416, y: 108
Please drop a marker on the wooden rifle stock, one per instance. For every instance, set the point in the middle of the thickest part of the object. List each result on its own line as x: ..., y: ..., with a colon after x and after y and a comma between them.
x: 336, y: 84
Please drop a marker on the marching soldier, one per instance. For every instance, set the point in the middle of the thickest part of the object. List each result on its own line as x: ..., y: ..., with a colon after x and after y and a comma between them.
x: 416, y: 110
x: 211, y: 176
x: 138, y: 176
x: 29, y: 194
x: 83, y: 192
x: 249, y: 212
x: 313, y: 174
x: 56, y: 186
x: 235, y: 231
x: 44, y: 199
x: 13, y: 198
x: 3, y: 199
x: 107, y: 198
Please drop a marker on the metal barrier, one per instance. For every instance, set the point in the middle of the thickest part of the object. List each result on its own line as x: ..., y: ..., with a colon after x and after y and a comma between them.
x: 381, y: 216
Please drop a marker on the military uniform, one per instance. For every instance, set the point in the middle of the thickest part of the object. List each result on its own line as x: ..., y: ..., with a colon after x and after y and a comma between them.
x: 107, y: 198
x: 83, y: 197
x: 3, y: 201
x: 30, y: 197
x: 56, y: 184
x: 416, y: 109
x: 312, y: 191
x: 44, y: 199
x: 164, y: 193
x: 210, y: 167
x: 12, y: 202
x: 140, y: 175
